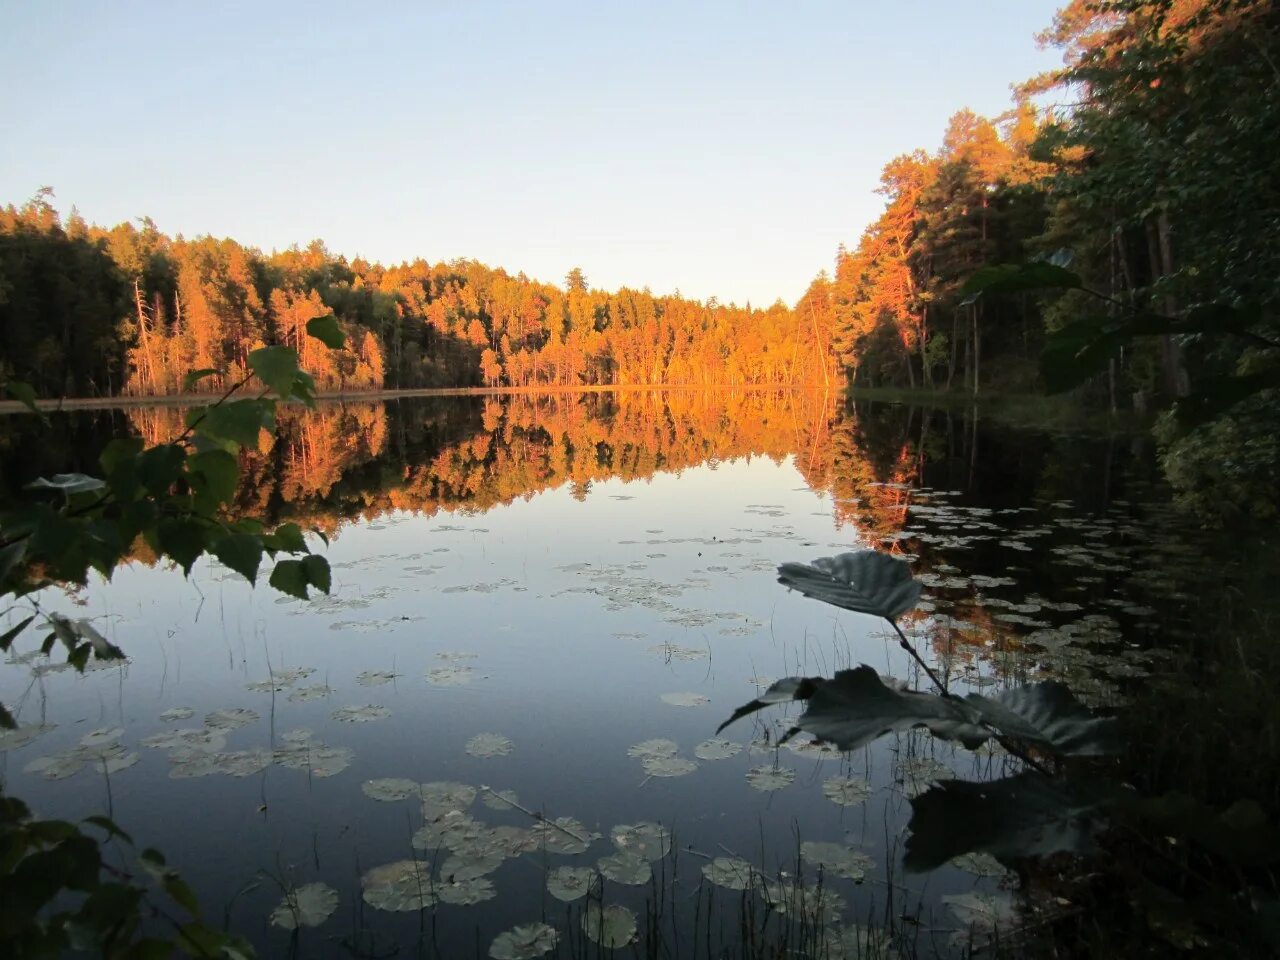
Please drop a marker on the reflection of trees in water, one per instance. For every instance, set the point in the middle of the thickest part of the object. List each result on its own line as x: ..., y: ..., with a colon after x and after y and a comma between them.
x: 426, y: 455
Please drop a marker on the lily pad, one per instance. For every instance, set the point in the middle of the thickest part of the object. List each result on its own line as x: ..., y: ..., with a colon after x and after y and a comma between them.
x: 981, y: 914
x: 625, y: 868
x: 375, y: 678
x: 652, y: 841
x: 231, y: 719
x: 717, y: 749
x: 668, y: 766
x: 525, y: 942
x: 445, y: 796
x: 177, y: 713
x: 838, y: 859
x: 102, y: 737
x: 316, y: 691
x: 499, y: 799
x: 21, y: 736
x: 362, y: 714
x: 653, y: 748
x: 569, y: 883
x: 770, y: 778
x: 564, y: 835
x: 685, y: 699
x: 307, y: 906
x: 488, y: 745
x: 58, y: 766
x: 390, y: 789
x: 980, y: 865
x: 917, y: 774
x: 464, y: 893
x: 846, y: 791
x: 612, y: 926
x: 731, y: 873
x: 450, y: 676
x: 401, y: 886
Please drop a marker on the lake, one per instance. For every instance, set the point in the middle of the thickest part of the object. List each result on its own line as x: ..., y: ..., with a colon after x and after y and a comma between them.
x: 543, y: 606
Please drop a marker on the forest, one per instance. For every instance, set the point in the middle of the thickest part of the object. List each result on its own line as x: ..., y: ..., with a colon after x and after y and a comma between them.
x: 1154, y: 183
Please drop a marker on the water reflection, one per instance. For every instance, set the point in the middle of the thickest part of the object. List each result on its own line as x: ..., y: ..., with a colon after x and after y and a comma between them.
x: 549, y: 602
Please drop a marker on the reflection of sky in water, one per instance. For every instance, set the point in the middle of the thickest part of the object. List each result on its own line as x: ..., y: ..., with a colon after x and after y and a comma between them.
x: 562, y: 604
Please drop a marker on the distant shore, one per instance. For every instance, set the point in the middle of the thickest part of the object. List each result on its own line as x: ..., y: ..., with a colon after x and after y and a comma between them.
x: 194, y: 399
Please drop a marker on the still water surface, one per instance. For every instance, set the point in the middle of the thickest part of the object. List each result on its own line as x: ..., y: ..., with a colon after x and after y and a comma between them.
x: 565, y: 578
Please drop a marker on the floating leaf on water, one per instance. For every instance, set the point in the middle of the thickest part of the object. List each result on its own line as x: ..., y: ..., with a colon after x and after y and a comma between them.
x: 813, y: 748
x: 815, y: 904
x: 468, y: 866
x: 569, y: 883
x: 362, y: 714
x: 981, y: 914
x: 525, y: 942
x: 563, y: 835
x: 451, y: 830
x: 244, y: 763
x: 307, y: 906
x: 917, y: 774
x: 375, y: 678
x: 464, y: 893
x: 979, y: 864
x: 230, y: 719
x: 198, y: 765
x: 513, y: 841
x: 717, y: 749
x: 685, y: 699
x: 668, y: 766
x: 401, y: 886
x: 318, y: 759
x: 837, y: 858
x: 299, y: 735
x: 314, y: 692
x: 625, y: 868
x: 500, y: 799
x: 488, y: 745
x: 770, y: 778
x: 116, y: 763
x: 652, y: 841
x: 444, y: 796
x: 390, y: 789
x: 450, y: 676
x: 612, y: 926
x: 846, y: 791
x: 58, y: 766
x: 177, y: 713
x: 730, y: 873
x: 102, y: 737
x: 653, y: 748
x: 455, y: 656
x: 21, y: 736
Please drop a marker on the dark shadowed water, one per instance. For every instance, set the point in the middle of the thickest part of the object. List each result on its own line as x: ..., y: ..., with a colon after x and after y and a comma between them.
x: 527, y: 589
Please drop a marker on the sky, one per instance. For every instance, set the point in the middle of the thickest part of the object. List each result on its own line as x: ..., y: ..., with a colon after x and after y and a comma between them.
x: 715, y: 148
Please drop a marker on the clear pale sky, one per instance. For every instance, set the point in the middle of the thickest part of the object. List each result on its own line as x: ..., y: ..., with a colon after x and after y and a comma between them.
x: 718, y: 148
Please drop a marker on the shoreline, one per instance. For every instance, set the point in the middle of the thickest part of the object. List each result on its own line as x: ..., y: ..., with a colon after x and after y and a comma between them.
x: 331, y: 396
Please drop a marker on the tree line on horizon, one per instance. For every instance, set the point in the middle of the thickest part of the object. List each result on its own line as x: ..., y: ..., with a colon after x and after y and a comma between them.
x: 1156, y: 184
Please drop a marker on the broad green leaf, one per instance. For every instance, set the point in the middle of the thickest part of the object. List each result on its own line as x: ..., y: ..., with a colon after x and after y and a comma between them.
x: 1049, y: 716
x: 214, y: 475
x: 290, y: 576
x: 327, y: 331
x: 856, y: 707
x: 26, y: 396
x: 239, y: 422
x: 866, y: 581
x: 241, y: 552
x: 195, y: 376
x: 1019, y: 278
x: 288, y: 538
x: 317, y: 571
x: 183, y: 540
x: 109, y: 826
x: 276, y: 367
x: 7, y: 638
x: 160, y: 467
